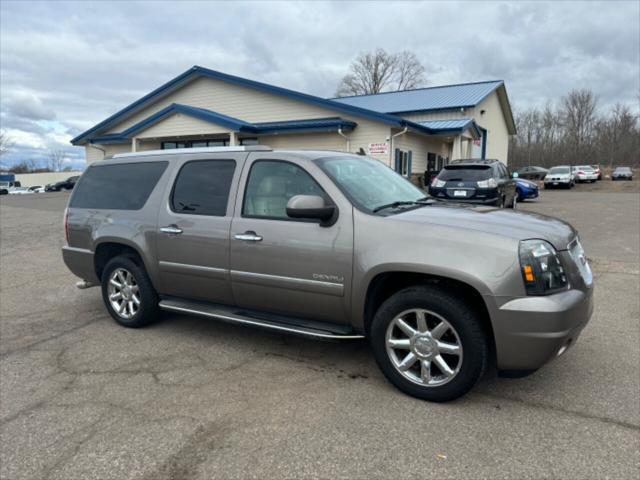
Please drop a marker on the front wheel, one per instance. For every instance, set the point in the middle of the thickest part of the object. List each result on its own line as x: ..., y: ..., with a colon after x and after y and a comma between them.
x: 128, y: 294
x: 429, y: 343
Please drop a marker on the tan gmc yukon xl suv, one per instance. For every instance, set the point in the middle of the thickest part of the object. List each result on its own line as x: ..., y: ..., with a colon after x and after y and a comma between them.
x: 335, y: 246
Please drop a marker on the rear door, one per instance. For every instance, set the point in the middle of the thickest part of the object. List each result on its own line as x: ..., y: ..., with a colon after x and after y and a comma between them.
x: 506, y: 183
x: 290, y: 266
x: 193, y: 228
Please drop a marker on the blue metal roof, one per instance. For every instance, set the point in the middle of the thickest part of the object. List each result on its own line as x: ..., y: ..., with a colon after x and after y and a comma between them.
x: 454, y: 125
x: 197, y: 71
x: 445, y: 97
x: 234, y: 124
x: 314, y: 124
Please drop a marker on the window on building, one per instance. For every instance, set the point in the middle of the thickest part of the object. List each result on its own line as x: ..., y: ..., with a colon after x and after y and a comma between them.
x: 168, y: 145
x: 195, y: 144
x: 431, y: 162
x: 270, y: 186
x: 248, y: 141
x: 202, y: 187
x: 403, y: 162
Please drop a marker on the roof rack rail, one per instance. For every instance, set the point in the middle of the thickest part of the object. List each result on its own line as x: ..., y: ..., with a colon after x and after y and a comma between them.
x: 181, y: 151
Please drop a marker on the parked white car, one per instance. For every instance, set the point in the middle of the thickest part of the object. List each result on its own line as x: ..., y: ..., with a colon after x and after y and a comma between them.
x: 20, y: 191
x: 584, y: 173
x: 36, y: 189
x: 560, y: 176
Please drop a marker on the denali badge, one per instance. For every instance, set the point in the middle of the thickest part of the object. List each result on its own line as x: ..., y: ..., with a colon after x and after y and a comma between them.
x: 328, y: 278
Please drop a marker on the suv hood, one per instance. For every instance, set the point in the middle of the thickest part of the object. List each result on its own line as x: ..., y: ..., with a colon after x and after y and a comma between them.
x: 501, y: 222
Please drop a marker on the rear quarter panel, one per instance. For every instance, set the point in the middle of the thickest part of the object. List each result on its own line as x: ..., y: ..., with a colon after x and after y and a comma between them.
x: 88, y: 228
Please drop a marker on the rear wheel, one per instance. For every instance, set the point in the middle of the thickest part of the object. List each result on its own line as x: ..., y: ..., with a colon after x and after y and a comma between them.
x: 128, y: 294
x: 429, y: 343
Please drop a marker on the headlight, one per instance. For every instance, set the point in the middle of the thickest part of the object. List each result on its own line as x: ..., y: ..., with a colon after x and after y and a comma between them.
x: 439, y: 183
x: 491, y: 183
x: 542, y: 270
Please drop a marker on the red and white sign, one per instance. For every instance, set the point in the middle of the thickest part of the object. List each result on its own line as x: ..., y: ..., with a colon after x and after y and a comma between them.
x: 378, y: 148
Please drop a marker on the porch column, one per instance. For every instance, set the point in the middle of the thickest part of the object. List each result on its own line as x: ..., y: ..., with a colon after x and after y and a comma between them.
x: 457, y: 148
x: 233, y: 139
x: 134, y: 144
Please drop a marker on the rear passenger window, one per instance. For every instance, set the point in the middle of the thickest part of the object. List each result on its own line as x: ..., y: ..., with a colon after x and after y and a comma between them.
x: 202, y: 187
x: 122, y: 186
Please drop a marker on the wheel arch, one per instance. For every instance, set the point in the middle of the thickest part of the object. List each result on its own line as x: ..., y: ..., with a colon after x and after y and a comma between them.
x: 384, y: 284
x: 108, y: 249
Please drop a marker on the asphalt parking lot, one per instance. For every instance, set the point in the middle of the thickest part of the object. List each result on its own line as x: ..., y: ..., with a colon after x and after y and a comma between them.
x: 187, y: 398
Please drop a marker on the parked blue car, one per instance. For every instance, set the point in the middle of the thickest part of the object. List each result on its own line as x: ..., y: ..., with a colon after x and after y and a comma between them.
x: 526, y: 189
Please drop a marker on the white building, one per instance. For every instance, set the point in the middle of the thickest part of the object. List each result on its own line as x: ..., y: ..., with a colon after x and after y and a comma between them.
x: 410, y: 130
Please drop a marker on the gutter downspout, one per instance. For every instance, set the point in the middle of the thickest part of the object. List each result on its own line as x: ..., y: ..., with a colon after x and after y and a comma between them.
x: 104, y: 152
x: 391, y: 144
x: 346, y: 138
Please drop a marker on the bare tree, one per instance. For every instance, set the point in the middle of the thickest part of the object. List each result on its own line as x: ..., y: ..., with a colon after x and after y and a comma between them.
x: 579, y: 109
x: 55, y: 160
x: 379, y: 71
x: 409, y: 71
x: 5, y: 142
x: 575, y: 133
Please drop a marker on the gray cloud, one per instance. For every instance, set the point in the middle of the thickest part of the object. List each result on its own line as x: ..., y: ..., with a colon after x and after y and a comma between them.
x: 66, y: 66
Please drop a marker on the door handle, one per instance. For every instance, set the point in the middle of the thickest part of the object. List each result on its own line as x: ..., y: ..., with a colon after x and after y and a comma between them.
x: 249, y: 236
x: 171, y: 230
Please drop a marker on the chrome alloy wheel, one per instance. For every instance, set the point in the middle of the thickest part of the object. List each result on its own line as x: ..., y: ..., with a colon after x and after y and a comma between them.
x: 124, y: 295
x: 424, y: 347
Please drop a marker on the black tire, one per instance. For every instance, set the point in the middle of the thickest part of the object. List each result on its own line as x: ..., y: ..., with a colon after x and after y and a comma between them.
x: 148, y: 310
x: 460, y: 315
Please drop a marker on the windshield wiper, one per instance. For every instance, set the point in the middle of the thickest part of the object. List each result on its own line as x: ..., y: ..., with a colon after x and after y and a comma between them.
x: 420, y: 201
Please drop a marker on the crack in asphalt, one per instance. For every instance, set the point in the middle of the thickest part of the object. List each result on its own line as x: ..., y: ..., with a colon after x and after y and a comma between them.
x: 52, y: 337
x: 543, y: 406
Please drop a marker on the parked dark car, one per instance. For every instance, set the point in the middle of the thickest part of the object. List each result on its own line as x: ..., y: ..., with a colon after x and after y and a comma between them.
x: 532, y: 173
x: 67, y: 184
x: 622, y: 173
x: 485, y: 182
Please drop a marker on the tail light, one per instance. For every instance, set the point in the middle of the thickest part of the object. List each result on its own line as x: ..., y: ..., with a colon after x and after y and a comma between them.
x: 66, y: 225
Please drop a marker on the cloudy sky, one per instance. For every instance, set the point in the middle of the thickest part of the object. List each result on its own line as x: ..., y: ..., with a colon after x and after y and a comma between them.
x: 64, y: 66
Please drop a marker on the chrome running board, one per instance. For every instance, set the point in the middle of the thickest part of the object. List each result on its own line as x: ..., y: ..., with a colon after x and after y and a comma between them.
x: 293, y: 326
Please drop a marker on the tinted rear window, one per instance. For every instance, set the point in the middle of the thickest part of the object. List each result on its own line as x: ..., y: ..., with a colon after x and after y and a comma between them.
x: 123, y: 186
x: 202, y: 187
x: 465, y: 174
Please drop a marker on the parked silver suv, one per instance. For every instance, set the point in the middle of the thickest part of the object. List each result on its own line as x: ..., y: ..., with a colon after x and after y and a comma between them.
x: 330, y: 245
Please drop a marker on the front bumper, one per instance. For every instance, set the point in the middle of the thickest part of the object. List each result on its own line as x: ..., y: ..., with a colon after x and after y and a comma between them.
x: 555, y: 183
x: 531, y: 331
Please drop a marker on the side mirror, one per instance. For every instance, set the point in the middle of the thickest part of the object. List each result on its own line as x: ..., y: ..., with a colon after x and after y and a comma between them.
x: 312, y: 207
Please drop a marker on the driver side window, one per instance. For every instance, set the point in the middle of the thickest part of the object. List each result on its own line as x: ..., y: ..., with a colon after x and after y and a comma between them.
x: 271, y: 184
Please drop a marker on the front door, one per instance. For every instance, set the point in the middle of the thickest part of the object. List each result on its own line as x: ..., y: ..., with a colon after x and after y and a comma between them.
x: 194, y: 226
x: 289, y: 266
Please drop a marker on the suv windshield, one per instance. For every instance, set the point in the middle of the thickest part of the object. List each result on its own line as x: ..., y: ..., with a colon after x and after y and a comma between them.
x: 368, y: 183
x: 466, y: 173
x: 556, y: 170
